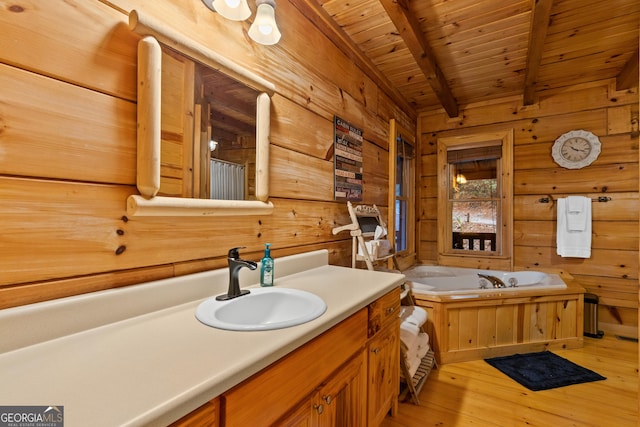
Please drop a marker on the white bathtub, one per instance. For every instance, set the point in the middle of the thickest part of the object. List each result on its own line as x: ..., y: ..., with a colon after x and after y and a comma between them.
x: 439, y: 280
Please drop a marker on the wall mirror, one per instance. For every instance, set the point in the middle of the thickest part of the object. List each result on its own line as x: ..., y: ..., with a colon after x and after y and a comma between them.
x: 203, y: 129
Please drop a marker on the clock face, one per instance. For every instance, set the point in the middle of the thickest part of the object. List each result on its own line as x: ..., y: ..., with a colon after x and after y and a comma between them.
x: 576, y: 149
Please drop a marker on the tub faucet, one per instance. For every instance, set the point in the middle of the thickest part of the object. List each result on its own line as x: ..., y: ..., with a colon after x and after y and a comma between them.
x: 497, y: 283
x: 235, y: 264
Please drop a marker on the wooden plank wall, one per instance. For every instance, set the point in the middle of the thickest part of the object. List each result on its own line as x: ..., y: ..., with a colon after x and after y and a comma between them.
x: 68, y: 147
x: 612, y: 271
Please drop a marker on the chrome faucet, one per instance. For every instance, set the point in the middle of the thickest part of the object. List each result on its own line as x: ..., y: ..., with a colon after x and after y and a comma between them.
x: 497, y: 283
x: 235, y: 264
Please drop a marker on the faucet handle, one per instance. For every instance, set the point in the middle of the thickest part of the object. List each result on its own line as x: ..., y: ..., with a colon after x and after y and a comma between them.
x: 233, y: 252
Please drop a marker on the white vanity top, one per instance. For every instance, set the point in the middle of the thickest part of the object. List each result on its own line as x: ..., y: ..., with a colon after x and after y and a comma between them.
x: 138, y: 356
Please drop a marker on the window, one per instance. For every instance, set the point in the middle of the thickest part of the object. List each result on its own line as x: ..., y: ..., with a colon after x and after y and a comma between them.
x: 404, y: 175
x: 402, y: 194
x: 474, y: 198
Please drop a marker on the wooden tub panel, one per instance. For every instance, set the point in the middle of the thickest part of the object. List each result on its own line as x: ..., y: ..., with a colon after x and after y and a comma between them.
x: 488, y: 327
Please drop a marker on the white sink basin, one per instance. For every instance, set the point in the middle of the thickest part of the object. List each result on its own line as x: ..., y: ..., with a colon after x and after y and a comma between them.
x: 262, y: 309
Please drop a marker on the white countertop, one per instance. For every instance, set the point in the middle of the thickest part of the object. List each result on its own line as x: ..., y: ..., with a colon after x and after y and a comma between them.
x: 138, y: 356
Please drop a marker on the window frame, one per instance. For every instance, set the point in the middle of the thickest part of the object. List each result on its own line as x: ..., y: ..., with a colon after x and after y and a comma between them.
x: 501, y: 259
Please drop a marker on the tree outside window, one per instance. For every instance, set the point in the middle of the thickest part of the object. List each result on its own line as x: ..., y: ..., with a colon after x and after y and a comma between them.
x: 475, y: 204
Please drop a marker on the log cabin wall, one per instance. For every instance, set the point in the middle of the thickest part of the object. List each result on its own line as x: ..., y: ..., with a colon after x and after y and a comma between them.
x: 68, y: 147
x: 612, y: 271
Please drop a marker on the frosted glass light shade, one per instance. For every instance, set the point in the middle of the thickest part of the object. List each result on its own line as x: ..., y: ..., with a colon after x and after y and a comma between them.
x: 235, y: 10
x: 264, y: 29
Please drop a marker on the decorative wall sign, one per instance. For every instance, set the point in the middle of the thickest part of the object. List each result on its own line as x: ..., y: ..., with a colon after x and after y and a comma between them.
x: 348, y: 161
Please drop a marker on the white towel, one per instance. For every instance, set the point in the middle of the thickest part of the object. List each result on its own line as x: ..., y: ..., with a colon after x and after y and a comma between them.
x: 576, y: 211
x: 379, y: 233
x: 413, y: 314
x: 423, y: 344
x: 414, y: 358
x: 408, y: 333
x: 573, y: 243
x: 575, y: 203
x: 413, y: 364
x: 419, y: 347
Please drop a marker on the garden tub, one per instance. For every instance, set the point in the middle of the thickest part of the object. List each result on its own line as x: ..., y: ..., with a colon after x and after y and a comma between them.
x: 469, y: 318
x: 438, y: 280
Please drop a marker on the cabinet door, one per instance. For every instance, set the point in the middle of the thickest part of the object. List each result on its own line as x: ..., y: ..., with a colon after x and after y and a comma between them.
x: 341, y: 401
x: 303, y: 415
x: 384, y: 373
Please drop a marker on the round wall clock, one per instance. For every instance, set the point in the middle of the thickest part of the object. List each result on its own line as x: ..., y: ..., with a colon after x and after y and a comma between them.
x: 576, y: 149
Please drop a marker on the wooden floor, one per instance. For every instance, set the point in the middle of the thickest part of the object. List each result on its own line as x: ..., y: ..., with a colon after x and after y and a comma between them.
x: 476, y: 394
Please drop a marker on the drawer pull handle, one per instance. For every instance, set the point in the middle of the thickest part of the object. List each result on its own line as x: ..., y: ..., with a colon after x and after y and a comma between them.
x: 327, y: 399
x: 375, y: 350
x: 390, y: 310
x: 319, y: 408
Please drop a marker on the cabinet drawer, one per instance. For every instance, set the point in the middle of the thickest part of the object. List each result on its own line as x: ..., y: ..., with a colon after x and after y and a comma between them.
x: 383, y: 310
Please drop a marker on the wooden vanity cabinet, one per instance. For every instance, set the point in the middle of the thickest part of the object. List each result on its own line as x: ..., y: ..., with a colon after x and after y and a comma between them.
x: 383, y: 358
x: 383, y: 311
x: 348, y: 376
x: 291, y: 382
x: 384, y: 373
x: 206, y: 415
x: 340, y: 401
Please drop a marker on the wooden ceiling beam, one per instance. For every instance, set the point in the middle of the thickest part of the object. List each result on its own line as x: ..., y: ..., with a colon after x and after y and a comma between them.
x: 409, y: 29
x: 327, y: 26
x: 541, y: 13
x: 628, y: 76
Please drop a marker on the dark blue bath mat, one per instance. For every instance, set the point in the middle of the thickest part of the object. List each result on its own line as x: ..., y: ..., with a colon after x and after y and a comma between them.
x: 543, y: 370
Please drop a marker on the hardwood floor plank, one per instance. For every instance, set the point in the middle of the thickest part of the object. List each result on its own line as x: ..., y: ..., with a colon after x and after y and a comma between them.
x: 476, y: 394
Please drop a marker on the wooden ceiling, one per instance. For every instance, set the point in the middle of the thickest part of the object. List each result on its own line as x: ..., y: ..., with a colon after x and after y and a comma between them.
x: 431, y: 54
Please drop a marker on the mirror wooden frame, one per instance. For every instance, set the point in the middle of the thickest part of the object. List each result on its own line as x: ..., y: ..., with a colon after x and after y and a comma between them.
x: 147, y: 203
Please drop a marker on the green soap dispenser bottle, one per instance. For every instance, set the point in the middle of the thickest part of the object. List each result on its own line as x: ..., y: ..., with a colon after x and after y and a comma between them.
x: 266, y: 270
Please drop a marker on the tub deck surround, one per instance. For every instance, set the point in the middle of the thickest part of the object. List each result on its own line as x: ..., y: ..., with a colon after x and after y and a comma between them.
x: 491, y: 322
x: 138, y: 356
x: 469, y: 285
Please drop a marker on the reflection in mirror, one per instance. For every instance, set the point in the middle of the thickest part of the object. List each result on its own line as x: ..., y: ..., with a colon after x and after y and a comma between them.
x: 197, y: 109
x: 232, y: 140
x: 217, y: 160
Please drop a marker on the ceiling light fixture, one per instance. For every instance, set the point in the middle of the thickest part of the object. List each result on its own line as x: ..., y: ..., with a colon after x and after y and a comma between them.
x: 264, y: 29
x: 235, y: 10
